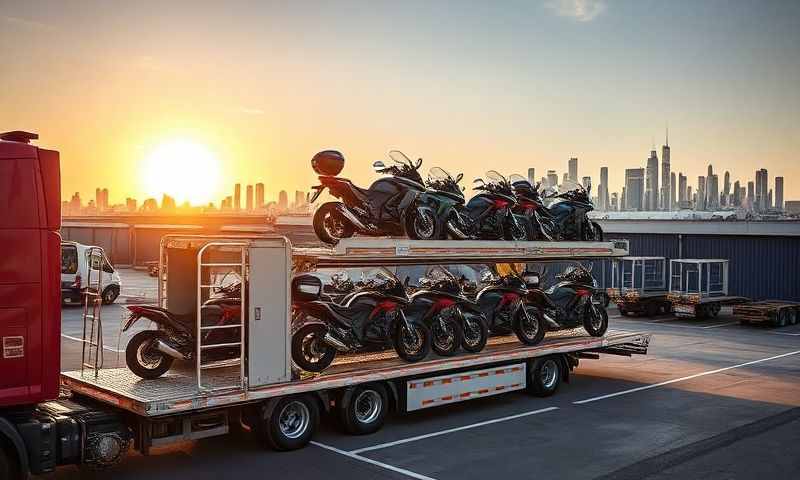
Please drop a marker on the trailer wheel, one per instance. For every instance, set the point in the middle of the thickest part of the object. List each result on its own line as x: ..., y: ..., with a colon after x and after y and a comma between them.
x: 651, y: 309
x: 793, y: 316
x: 544, y: 376
x: 780, y: 318
x: 291, y: 423
x: 364, y: 410
x: 715, y: 309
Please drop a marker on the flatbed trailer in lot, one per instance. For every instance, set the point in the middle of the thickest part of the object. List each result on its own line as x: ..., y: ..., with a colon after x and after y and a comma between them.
x: 777, y: 313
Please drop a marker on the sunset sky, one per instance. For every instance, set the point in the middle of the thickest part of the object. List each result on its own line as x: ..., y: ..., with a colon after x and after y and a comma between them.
x: 261, y: 86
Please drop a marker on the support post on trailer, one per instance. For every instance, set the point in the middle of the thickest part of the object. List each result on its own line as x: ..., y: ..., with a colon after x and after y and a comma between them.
x: 201, y: 346
x: 92, y: 338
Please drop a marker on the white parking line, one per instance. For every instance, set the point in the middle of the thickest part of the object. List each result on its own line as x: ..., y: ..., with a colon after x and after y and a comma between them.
x: 785, y: 333
x: 719, y: 325
x: 81, y: 341
x: 370, y: 461
x: 451, y: 430
x: 675, y: 380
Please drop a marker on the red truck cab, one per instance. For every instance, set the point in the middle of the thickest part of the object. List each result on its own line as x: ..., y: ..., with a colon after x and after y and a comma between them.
x: 30, y: 303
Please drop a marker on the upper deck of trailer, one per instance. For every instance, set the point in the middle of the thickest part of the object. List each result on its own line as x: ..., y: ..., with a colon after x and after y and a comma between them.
x: 176, y: 391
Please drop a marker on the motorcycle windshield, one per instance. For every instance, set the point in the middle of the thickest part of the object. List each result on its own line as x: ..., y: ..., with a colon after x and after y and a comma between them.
x: 575, y: 191
x: 498, y: 182
x: 442, y: 279
x: 383, y: 280
x: 406, y: 167
x: 520, y: 183
x: 400, y: 158
x: 439, y: 179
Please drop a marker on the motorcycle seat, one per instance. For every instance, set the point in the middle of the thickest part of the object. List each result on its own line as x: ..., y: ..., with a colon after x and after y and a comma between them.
x: 356, y: 188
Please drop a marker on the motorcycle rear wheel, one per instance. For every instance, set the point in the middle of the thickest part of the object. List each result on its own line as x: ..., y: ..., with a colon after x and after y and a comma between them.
x: 412, y: 346
x: 142, y: 357
x: 309, y: 350
x: 330, y: 225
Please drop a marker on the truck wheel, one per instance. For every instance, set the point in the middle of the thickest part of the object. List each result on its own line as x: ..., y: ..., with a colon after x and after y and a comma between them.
x: 143, y: 359
x: 544, y: 376
x: 110, y: 294
x: 530, y: 328
x: 365, y: 409
x: 309, y: 350
x: 291, y: 424
x: 8, y: 468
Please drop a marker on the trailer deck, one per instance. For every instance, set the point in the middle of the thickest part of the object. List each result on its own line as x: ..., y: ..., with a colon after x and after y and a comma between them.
x: 176, y: 391
x: 777, y: 313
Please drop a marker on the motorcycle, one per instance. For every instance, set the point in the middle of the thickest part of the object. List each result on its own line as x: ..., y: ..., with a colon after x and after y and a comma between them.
x: 504, y: 301
x: 443, y: 194
x: 488, y: 215
x: 453, y: 319
x: 370, y: 318
x: 150, y: 353
x: 538, y: 224
x: 389, y: 206
x: 568, y: 212
x: 574, y: 301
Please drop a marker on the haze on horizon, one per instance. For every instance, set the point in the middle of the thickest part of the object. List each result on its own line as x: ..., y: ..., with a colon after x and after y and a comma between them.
x: 468, y: 86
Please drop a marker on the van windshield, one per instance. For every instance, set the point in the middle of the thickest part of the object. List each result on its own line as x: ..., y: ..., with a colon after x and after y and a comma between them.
x: 69, y: 259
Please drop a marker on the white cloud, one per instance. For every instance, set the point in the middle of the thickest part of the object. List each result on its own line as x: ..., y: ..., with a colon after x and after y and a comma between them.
x: 579, y: 10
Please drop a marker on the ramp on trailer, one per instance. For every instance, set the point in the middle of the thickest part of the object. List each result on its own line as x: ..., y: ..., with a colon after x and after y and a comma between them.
x: 177, y: 391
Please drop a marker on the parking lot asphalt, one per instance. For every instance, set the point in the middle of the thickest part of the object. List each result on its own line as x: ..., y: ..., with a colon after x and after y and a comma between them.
x: 713, y: 399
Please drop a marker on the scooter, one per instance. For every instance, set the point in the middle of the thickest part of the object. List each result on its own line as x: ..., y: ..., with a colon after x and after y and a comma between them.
x: 574, y: 301
x: 150, y: 353
x: 504, y: 301
x: 454, y: 320
x: 371, y: 319
x: 388, y: 207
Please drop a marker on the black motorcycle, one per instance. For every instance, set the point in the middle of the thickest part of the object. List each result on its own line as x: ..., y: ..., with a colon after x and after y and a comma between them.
x: 150, y: 353
x: 453, y: 319
x: 568, y: 212
x: 489, y: 214
x: 505, y: 304
x: 574, y: 301
x: 370, y: 318
x: 389, y: 207
x: 538, y: 222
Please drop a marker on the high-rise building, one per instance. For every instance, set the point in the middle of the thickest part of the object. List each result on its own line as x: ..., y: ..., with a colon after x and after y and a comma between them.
x: 761, y: 190
x: 700, y: 202
x: 259, y: 196
x: 751, y: 196
x: 683, y: 196
x: 532, y: 175
x: 689, y: 197
x: 299, y: 199
x: 614, y: 206
x: 586, y: 182
x: 667, y: 197
x: 237, y: 196
x: 634, y: 189
x: 726, y: 190
x: 552, y: 179
x: 712, y: 192
x: 673, y: 187
x: 283, y: 200
x: 602, y: 189
x: 778, y: 193
x: 651, y: 187
x: 249, y: 198
x: 573, y: 169
x: 130, y: 204
x: 736, y: 199
x: 565, y: 179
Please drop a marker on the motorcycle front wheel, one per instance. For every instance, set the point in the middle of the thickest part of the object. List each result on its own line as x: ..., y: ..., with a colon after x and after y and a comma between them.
x: 476, y: 333
x: 309, y: 350
x: 596, y: 321
x: 330, y: 225
x: 446, y: 336
x: 143, y: 358
x: 422, y: 224
x: 529, y: 325
x: 412, y: 345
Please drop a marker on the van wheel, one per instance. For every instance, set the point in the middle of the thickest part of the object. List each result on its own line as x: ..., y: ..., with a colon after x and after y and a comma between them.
x: 365, y: 409
x: 291, y: 424
x: 110, y: 294
x: 544, y: 376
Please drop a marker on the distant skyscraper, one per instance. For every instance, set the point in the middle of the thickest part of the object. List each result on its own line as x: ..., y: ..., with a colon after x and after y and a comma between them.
x: 634, y: 189
x: 779, y: 193
x: 249, y: 198
x: 586, y: 182
x: 299, y: 199
x: 130, y: 204
x: 712, y: 192
x: 237, y: 196
x: 602, y: 189
x: 532, y: 175
x: 283, y: 200
x: 614, y: 202
x: 666, y: 177
x: 673, y: 187
x: 573, y: 169
x: 566, y: 178
x: 689, y: 197
x: 683, y: 196
x: 726, y: 190
x: 259, y: 195
x: 552, y: 178
x: 651, y: 187
x: 736, y: 198
x: 751, y: 196
x: 700, y: 202
x: 761, y: 190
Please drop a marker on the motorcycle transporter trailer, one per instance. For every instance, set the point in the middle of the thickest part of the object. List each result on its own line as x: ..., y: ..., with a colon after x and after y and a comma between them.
x: 639, y: 286
x: 262, y: 389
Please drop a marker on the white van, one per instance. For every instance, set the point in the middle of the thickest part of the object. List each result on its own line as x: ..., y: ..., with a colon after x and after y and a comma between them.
x: 75, y: 270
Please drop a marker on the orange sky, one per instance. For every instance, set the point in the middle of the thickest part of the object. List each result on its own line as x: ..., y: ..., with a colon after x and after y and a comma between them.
x: 264, y: 87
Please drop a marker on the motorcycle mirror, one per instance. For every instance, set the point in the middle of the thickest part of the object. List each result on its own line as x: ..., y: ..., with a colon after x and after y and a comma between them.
x: 379, y: 165
x: 459, y: 177
x: 406, y: 282
x: 419, y: 163
x: 463, y: 189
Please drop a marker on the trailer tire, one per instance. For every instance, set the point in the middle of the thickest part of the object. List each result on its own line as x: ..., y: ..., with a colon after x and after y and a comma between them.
x: 291, y: 423
x: 652, y: 309
x: 363, y: 409
x: 544, y: 376
x: 780, y: 318
x: 715, y: 309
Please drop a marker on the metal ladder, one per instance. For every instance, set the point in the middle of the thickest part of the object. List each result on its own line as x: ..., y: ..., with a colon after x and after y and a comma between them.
x: 92, y: 341
x: 202, y: 347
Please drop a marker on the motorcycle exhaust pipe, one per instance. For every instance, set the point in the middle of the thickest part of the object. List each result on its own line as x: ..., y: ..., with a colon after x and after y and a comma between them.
x: 550, y: 321
x: 353, y: 219
x: 167, y: 350
x: 456, y: 232
x: 333, y: 342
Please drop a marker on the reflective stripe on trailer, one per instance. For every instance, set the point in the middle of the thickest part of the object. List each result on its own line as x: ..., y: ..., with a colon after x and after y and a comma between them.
x: 429, y: 392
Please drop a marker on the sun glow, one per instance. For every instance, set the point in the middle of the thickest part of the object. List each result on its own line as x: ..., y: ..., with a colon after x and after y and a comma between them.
x: 184, y: 170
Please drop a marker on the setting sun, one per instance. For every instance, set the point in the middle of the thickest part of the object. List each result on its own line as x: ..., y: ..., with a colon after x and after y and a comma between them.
x: 182, y: 169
